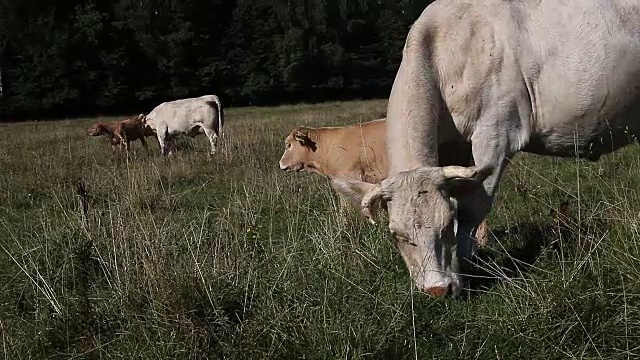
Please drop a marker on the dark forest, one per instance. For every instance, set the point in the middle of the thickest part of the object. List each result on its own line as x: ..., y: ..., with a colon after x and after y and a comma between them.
x: 88, y: 57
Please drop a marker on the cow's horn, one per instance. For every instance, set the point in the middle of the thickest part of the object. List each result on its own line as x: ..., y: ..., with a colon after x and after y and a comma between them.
x: 472, y: 172
x: 453, y: 171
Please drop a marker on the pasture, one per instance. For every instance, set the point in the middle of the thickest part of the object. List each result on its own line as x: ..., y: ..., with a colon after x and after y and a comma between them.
x: 229, y: 257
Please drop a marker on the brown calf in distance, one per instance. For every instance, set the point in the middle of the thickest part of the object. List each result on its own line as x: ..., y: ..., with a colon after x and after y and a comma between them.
x: 353, y: 152
x: 121, y: 133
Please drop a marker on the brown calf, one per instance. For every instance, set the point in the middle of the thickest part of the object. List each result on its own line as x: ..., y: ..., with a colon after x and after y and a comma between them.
x: 121, y: 133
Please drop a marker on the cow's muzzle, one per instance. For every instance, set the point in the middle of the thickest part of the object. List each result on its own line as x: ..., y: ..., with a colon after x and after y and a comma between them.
x: 291, y: 168
x: 438, y: 291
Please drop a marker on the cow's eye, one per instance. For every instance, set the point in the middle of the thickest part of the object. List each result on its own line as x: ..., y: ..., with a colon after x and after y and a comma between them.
x: 288, y: 145
x: 402, y: 238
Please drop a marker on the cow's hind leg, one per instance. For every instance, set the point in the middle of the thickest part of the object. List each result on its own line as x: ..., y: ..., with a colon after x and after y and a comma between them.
x: 213, y: 138
x: 343, y: 211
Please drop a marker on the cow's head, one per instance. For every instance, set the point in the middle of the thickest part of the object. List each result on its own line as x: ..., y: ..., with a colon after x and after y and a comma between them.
x: 97, y: 129
x: 422, y: 210
x: 298, y: 148
x: 138, y: 118
x: 146, y: 129
x: 145, y: 120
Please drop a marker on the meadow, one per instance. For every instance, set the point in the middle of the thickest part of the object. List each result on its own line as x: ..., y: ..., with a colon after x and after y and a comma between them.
x: 228, y: 257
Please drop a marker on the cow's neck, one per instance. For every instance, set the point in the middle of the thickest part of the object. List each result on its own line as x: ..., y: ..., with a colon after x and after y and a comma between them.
x: 320, y: 160
x: 413, y: 113
x: 312, y: 167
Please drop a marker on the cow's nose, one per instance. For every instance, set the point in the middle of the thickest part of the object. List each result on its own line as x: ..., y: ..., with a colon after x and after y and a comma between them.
x: 438, y: 291
x: 282, y: 166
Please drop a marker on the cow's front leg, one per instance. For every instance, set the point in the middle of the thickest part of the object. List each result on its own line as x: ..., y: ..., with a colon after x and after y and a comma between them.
x: 144, y: 144
x: 171, y: 145
x: 162, y: 141
x: 471, y: 211
x: 343, y: 210
x: 473, y: 208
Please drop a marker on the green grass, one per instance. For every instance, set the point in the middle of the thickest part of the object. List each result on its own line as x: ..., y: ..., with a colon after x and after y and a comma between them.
x: 229, y: 257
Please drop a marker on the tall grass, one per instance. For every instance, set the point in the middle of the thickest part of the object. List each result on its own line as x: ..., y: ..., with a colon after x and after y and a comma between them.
x: 193, y: 256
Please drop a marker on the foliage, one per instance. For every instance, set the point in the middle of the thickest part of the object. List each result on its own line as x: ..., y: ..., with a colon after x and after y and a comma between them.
x: 97, y: 56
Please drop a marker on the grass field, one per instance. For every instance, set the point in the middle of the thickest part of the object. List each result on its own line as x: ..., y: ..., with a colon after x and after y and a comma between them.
x: 229, y: 257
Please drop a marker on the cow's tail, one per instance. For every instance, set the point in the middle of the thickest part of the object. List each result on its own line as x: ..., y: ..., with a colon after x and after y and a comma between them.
x: 220, y: 115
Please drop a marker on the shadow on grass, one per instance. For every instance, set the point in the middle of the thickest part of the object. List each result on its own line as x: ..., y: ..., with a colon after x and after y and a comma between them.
x: 492, y: 266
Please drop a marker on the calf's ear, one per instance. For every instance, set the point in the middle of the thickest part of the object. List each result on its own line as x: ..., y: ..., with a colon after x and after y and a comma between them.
x: 366, y: 197
x: 304, y: 140
x: 300, y: 136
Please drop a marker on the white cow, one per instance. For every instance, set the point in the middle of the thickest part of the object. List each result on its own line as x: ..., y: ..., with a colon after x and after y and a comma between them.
x: 190, y: 116
x: 548, y: 77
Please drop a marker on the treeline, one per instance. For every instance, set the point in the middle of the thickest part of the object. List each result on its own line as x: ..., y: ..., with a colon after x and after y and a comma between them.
x: 82, y: 57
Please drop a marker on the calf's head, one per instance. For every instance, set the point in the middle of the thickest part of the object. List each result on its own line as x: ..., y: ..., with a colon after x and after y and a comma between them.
x: 97, y: 129
x: 299, y: 148
x: 422, y: 209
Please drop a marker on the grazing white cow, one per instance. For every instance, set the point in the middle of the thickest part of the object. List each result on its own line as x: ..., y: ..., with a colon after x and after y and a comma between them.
x: 190, y: 116
x: 548, y: 77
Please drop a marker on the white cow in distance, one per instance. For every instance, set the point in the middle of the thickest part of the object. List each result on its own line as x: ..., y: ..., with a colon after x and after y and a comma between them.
x: 191, y: 116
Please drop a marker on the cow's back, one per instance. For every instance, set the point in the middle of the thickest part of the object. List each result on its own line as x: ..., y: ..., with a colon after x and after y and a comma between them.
x: 560, y: 66
x: 180, y: 115
x: 373, y: 151
x: 591, y: 82
x: 357, y: 151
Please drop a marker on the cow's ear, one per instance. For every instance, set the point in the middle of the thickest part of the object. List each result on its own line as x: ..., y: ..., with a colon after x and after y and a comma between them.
x: 367, y: 198
x: 304, y: 140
